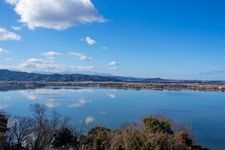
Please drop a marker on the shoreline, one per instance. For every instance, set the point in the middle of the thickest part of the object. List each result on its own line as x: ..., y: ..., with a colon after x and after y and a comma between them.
x: 18, y: 85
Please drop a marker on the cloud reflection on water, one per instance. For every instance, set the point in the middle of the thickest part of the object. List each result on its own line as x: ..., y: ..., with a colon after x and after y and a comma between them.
x: 30, y: 95
x: 79, y: 103
x: 89, y: 120
x: 51, y: 103
x: 3, y: 106
x: 113, y: 96
x: 49, y: 93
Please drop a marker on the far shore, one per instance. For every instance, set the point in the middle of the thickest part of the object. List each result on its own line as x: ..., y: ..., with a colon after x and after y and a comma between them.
x: 17, y: 85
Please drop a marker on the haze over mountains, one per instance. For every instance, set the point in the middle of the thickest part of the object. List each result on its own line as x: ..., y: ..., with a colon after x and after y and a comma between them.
x: 7, y: 75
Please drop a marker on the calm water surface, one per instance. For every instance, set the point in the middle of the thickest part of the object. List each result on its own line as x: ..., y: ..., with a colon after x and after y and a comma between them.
x: 204, y: 112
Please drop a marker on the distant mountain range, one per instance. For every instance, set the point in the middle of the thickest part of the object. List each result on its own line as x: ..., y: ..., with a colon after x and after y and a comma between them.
x: 7, y: 75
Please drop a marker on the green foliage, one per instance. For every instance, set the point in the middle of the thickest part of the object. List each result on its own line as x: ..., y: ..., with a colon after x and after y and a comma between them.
x: 154, y: 125
x: 134, y: 141
x: 181, y: 140
x: 99, y: 138
x: 117, y: 141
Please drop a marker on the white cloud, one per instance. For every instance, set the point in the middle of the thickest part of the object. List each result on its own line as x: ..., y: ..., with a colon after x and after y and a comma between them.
x: 3, y: 50
x: 51, y: 54
x: 56, y: 14
x: 80, y: 56
x: 17, y: 28
x: 113, y: 65
x: 50, y: 66
x: 89, y: 120
x: 90, y: 41
x: 34, y: 64
x: 6, y: 35
x: 12, y: 2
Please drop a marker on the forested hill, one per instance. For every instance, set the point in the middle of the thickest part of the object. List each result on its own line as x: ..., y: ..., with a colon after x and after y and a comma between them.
x: 7, y: 75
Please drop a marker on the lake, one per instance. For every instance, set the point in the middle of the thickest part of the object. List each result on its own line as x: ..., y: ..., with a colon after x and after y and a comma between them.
x: 203, y: 112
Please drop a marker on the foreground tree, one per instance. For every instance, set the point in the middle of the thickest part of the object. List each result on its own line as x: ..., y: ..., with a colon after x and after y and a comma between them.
x: 36, y: 132
x: 20, y: 132
x: 42, y: 131
x: 3, y: 129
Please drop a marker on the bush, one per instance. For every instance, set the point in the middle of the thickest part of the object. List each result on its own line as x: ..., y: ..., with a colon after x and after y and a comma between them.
x: 154, y: 125
x: 98, y: 138
x: 64, y: 138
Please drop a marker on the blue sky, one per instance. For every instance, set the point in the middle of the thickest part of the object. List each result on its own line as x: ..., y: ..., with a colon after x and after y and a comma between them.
x: 143, y: 38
